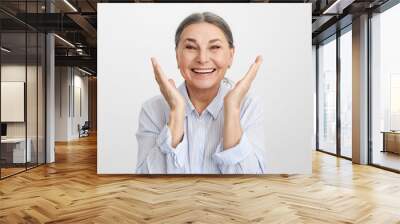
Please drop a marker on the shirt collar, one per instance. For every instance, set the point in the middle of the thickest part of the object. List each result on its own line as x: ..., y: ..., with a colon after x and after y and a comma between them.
x: 214, y: 107
x: 189, y: 106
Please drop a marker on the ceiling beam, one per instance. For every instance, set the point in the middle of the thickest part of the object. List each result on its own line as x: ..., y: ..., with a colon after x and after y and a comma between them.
x: 337, y: 7
x: 85, y: 25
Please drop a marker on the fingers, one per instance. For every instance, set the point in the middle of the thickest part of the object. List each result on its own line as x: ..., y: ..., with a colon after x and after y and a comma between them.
x: 158, y: 72
x: 172, y: 82
x: 252, y: 72
x: 155, y: 70
x: 244, y: 84
x: 164, y: 83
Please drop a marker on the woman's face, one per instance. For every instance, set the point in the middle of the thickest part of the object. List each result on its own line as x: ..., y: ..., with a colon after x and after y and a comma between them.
x: 203, y: 55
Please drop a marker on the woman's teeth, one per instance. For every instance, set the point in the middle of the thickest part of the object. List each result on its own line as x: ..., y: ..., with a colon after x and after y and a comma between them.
x: 203, y: 71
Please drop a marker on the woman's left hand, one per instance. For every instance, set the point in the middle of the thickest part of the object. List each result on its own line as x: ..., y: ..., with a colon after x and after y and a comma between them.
x: 234, y: 97
x: 232, y: 128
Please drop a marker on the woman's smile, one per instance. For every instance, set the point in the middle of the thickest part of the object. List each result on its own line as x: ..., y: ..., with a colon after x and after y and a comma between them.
x: 203, y: 70
x: 203, y: 73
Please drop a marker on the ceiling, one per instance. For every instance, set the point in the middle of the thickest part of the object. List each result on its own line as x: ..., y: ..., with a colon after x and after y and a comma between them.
x: 76, y: 22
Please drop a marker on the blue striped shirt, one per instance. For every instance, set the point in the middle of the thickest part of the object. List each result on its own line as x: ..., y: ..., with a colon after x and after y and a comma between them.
x: 201, y: 149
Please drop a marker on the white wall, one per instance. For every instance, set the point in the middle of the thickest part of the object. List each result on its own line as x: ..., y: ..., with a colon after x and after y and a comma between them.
x: 68, y: 81
x: 129, y: 34
x: 61, y: 103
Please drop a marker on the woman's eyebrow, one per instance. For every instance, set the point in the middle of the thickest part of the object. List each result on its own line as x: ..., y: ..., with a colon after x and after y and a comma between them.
x: 194, y: 40
x: 190, y: 40
x: 214, y: 40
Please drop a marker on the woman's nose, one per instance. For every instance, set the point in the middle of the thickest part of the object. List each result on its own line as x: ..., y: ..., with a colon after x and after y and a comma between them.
x: 203, y: 56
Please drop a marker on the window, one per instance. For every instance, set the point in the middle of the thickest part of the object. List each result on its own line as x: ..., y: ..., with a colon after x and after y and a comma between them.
x: 346, y: 93
x: 385, y: 88
x: 327, y: 96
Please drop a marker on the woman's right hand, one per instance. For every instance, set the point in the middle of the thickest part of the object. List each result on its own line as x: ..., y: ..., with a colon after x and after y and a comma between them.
x: 175, y: 101
x: 168, y: 89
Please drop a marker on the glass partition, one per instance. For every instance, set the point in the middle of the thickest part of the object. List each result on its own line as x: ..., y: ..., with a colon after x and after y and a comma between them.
x: 32, y: 95
x: 13, y: 108
x: 22, y: 77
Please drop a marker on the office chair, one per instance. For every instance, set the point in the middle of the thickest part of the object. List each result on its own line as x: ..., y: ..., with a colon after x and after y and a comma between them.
x: 84, y: 130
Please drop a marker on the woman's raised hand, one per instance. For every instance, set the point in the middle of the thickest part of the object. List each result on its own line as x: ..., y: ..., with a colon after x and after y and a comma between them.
x: 235, y: 96
x: 175, y: 101
x: 168, y: 89
x: 232, y: 127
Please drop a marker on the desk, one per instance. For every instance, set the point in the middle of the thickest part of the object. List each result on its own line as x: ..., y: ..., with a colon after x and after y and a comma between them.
x: 391, y: 141
x: 15, y: 148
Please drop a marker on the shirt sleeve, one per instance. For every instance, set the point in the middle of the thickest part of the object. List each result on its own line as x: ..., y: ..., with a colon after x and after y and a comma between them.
x: 164, y: 142
x: 155, y: 153
x: 247, y: 157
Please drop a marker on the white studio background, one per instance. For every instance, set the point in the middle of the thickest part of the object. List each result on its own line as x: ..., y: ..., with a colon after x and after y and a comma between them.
x: 129, y: 34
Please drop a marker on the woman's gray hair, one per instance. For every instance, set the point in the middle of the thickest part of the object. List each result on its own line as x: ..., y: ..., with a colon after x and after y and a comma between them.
x: 207, y: 17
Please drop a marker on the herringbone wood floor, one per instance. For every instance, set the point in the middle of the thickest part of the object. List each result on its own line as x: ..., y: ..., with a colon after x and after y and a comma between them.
x: 70, y: 191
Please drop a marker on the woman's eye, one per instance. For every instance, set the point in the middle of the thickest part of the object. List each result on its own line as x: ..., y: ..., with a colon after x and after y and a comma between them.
x: 215, y: 47
x: 190, y: 47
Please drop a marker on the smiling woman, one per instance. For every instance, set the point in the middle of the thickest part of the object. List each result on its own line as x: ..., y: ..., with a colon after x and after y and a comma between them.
x: 203, y: 126
x: 203, y: 56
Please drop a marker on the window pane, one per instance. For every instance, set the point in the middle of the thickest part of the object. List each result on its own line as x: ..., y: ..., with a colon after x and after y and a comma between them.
x: 327, y: 96
x: 346, y: 94
x: 31, y: 101
x: 386, y: 88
